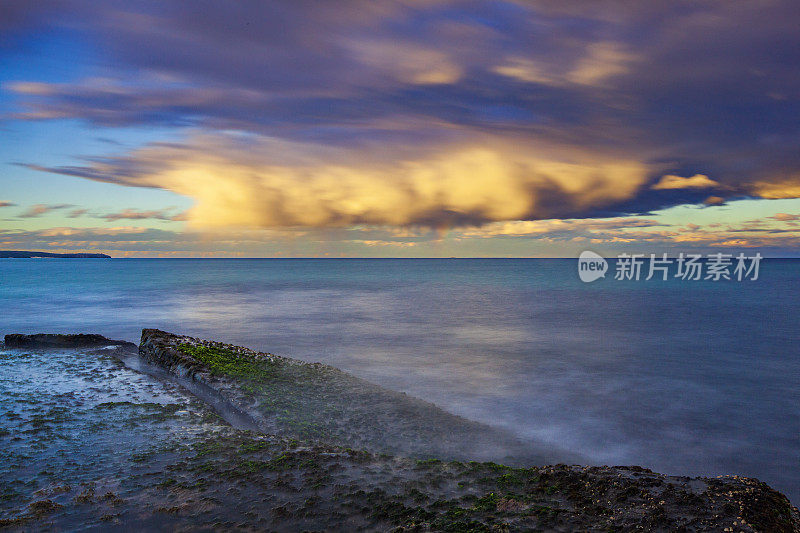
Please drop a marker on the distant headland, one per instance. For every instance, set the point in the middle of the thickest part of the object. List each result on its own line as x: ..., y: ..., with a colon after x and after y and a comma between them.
x: 27, y: 255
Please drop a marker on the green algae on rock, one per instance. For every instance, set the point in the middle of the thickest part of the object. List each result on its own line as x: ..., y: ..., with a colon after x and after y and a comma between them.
x: 320, y: 402
x: 239, y: 480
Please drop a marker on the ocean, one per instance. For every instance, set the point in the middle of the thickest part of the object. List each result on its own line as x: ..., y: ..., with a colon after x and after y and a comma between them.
x: 683, y: 377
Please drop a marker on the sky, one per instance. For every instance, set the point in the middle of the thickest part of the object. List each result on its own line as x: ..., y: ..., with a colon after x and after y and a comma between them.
x: 436, y: 128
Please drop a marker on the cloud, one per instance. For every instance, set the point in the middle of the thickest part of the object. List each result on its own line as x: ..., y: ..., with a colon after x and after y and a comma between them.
x: 7, y: 204
x: 40, y: 209
x: 371, y: 243
x: 593, y: 67
x: 133, y: 214
x: 557, y: 237
x: 75, y: 213
x: 698, y: 181
x: 775, y: 190
x: 714, y: 200
x: 93, y: 233
x: 637, y: 234
x: 567, y: 228
x: 264, y: 182
x: 785, y: 217
x: 603, y: 61
x: 145, y: 241
x: 415, y: 107
x: 141, y: 241
x: 407, y: 62
x: 31, y: 88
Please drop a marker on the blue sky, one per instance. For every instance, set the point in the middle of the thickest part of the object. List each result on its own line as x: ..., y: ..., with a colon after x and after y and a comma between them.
x: 443, y: 128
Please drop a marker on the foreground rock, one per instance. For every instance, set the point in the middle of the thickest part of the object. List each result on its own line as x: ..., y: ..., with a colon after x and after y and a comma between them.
x: 321, y: 404
x: 202, y: 475
x: 247, y: 482
x: 51, y: 341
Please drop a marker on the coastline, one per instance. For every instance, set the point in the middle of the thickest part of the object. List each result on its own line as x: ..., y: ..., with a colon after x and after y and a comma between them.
x: 374, y: 466
x: 24, y: 254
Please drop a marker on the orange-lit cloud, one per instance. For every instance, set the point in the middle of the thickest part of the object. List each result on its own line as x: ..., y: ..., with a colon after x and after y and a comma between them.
x: 714, y: 200
x: 599, y: 62
x: 698, y: 181
x: 773, y: 190
x: 269, y: 183
x: 551, y: 226
x: 785, y: 217
x: 559, y: 237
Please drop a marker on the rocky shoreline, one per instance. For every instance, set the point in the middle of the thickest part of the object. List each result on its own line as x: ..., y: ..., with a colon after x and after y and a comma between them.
x: 44, y: 341
x: 333, y: 452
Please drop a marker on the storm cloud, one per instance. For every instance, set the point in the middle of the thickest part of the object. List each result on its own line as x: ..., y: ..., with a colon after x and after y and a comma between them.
x: 435, y: 113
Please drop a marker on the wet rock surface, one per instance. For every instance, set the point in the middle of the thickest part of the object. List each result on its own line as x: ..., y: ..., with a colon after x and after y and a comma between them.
x: 54, y: 341
x: 107, y: 449
x: 248, y: 482
x: 71, y: 419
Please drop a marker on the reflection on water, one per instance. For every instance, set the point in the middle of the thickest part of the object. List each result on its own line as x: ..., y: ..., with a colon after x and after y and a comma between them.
x: 693, y: 378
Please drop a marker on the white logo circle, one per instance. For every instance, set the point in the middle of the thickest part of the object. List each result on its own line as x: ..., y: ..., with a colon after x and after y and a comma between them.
x: 591, y: 266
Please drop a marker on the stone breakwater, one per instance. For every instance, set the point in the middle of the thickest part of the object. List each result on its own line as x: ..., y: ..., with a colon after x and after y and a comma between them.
x: 322, y: 403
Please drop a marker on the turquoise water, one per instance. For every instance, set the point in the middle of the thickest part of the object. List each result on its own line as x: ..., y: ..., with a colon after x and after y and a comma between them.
x: 682, y: 377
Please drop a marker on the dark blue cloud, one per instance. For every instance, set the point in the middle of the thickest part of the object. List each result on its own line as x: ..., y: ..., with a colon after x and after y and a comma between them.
x: 709, y: 87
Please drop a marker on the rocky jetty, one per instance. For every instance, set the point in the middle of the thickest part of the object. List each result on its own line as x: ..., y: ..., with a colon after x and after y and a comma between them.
x: 54, y: 341
x: 319, y: 402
